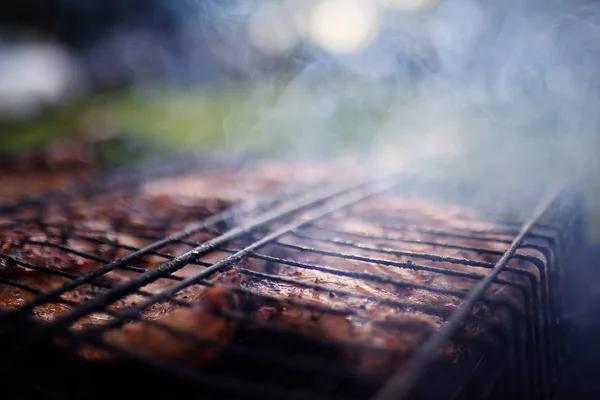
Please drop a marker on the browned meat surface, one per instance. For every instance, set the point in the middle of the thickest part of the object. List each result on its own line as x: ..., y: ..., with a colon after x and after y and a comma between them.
x: 245, y: 184
x: 386, y: 321
x: 52, y: 168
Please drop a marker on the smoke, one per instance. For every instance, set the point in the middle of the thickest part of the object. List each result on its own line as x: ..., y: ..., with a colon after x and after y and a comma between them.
x: 484, y: 89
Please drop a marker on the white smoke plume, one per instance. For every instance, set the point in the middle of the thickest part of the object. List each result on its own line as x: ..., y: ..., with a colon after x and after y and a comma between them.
x: 490, y: 89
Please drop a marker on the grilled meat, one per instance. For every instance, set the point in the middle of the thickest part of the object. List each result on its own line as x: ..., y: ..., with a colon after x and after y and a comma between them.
x: 377, y: 324
x: 377, y: 301
x: 343, y: 264
x: 183, y: 334
x: 51, y: 168
x: 43, y: 249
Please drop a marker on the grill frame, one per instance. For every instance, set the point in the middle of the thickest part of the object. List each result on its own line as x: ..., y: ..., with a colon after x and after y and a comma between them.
x: 547, y: 240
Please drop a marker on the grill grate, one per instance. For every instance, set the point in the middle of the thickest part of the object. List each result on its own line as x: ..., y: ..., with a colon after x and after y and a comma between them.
x: 306, y: 231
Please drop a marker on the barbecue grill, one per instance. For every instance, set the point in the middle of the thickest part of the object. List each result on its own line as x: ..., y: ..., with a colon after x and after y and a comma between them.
x: 520, y: 355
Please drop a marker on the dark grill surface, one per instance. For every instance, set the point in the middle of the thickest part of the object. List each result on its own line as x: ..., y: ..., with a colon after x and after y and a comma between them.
x: 520, y: 356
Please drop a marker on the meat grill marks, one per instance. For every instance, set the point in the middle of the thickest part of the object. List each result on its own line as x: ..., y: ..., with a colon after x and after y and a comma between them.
x: 367, y: 296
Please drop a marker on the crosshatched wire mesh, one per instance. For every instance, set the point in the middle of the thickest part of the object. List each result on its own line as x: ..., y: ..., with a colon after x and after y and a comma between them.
x: 323, y: 291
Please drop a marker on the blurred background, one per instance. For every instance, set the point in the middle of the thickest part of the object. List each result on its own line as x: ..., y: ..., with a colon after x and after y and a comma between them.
x: 207, y: 72
x: 494, y: 89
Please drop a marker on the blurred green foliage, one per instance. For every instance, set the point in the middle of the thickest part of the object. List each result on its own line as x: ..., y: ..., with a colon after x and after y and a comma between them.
x: 256, y: 119
x: 158, y: 116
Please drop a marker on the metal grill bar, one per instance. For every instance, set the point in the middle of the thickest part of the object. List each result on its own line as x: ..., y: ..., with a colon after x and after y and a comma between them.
x: 100, y: 240
x: 44, y: 269
x: 400, y: 385
x: 104, y: 260
x: 19, y: 285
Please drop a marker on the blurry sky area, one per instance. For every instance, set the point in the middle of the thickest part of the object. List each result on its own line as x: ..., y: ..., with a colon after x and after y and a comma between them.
x: 493, y: 86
